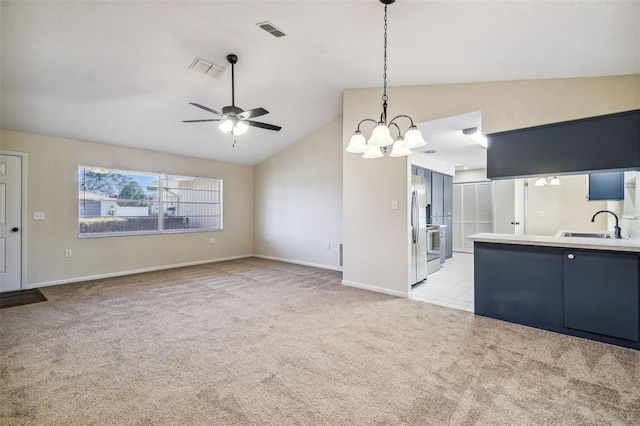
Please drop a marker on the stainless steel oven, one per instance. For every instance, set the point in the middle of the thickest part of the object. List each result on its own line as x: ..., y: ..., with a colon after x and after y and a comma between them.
x: 433, y: 249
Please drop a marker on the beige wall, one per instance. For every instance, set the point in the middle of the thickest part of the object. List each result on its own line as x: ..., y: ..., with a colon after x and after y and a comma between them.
x: 564, y: 207
x: 53, y: 188
x: 298, y: 200
x: 376, y: 238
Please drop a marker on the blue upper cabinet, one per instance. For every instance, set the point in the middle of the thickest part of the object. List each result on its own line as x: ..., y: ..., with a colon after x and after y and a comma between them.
x: 604, y: 143
x: 606, y: 186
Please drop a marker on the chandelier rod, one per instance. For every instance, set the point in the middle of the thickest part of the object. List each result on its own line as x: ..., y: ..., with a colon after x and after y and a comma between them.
x: 385, y: 98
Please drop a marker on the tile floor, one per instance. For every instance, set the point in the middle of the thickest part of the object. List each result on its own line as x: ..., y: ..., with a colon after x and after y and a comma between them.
x: 451, y: 286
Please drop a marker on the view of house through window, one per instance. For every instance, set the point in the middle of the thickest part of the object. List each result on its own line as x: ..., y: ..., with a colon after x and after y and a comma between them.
x: 127, y: 202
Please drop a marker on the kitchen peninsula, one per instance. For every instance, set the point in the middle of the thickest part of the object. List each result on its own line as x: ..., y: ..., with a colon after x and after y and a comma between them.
x: 581, y: 286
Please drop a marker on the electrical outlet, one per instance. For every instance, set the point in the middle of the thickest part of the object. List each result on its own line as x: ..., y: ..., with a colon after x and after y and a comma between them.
x: 68, y: 253
x: 328, y: 244
x: 212, y: 241
x: 539, y: 214
x: 38, y: 215
x: 394, y: 205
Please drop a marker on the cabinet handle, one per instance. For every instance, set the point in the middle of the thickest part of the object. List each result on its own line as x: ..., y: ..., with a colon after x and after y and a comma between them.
x: 570, y: 256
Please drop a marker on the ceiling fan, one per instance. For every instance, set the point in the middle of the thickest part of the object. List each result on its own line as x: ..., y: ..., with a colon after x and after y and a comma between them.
x: 234, y: 119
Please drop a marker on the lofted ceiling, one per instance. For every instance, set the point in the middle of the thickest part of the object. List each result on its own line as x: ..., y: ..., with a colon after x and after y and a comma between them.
x: 118, y: 72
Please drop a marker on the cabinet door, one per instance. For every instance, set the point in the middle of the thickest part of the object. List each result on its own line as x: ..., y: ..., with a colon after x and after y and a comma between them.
x: 448, y: 236
x: 447, y: 195
x: 606, y: 186
x: 437, y: 181
x: 601, y: 293
x: 427, y: 184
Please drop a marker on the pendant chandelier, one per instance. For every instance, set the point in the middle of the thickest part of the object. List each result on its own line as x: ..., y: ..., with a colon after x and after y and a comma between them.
x: 381, y: 139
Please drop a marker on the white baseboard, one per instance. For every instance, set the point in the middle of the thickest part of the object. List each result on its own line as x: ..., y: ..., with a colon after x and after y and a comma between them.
x: 297, y: 262
x: 376, y: 289
x: 133, y: 271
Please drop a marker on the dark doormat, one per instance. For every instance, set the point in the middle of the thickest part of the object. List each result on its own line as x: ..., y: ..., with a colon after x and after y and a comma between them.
x: 21, y: 297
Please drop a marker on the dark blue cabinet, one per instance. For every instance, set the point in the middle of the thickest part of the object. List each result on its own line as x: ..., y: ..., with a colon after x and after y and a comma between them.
x: 437, y: 194
x: 591, y: 294
x: 606, y: 142
x: 606, y: 186
x: 601, y: 293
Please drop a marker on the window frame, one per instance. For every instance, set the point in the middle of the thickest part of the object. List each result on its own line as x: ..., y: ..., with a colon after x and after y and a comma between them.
x: 160, y: 226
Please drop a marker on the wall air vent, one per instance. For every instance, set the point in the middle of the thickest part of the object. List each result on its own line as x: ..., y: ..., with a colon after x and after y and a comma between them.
x: 206, y: 68
x: 271, y: 29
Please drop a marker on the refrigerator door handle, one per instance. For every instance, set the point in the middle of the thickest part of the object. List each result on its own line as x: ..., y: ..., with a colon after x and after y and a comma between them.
x: 414, y: 217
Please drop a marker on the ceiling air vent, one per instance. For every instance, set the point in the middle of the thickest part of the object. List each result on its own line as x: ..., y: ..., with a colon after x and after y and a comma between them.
x: 271, y: 29
x: 429, y: 151
x: 206, y: 68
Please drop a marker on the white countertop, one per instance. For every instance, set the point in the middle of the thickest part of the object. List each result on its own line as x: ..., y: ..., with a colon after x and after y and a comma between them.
x: 610, y: 244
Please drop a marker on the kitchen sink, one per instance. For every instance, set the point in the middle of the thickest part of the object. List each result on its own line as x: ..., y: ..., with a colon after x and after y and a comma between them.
x: 587, y: 235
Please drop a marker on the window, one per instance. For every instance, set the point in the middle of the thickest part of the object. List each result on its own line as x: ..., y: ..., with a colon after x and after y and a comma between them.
x: 120, y: 202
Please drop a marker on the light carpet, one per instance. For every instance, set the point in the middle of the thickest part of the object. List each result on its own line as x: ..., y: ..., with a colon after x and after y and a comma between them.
x: 258, y: 342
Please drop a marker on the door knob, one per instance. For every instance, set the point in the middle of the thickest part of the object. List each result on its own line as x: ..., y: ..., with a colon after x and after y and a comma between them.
x: 515, y: 223
x: 570, y: 256
x: 15, y: 229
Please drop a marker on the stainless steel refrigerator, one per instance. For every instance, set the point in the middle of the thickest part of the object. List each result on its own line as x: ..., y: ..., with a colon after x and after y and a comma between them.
x: 418, y: 229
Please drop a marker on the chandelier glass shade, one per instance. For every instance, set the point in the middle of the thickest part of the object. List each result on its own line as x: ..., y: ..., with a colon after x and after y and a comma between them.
x: 379, y: 141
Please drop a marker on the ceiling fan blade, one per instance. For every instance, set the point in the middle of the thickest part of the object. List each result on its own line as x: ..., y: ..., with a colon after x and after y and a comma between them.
x: 199, y: 121
x: 205, y: 108
x: 251, y: 113
x: 262, y: 125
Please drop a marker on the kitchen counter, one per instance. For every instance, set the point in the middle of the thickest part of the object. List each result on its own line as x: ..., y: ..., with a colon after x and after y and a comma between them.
x: 584, y: 287
x: 608, y: 244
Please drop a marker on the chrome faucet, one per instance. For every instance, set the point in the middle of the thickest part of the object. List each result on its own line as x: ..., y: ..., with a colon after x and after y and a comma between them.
x: 616, y: 228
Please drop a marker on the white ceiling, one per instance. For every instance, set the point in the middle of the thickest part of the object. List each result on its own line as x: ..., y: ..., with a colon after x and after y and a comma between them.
x: 117, y: 72
x: 445, y: 137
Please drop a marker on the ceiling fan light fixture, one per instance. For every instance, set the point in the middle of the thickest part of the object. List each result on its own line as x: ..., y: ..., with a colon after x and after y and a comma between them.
x: 239, y: 128
x: 226, y: 126
x: 235, y: 120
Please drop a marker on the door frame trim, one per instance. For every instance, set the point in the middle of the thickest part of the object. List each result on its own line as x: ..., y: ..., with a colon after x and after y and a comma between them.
x: 23, y: 235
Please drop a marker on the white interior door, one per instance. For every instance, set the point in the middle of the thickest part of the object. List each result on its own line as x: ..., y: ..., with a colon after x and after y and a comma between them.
x: 10, y: 223
x: 509, y: 202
